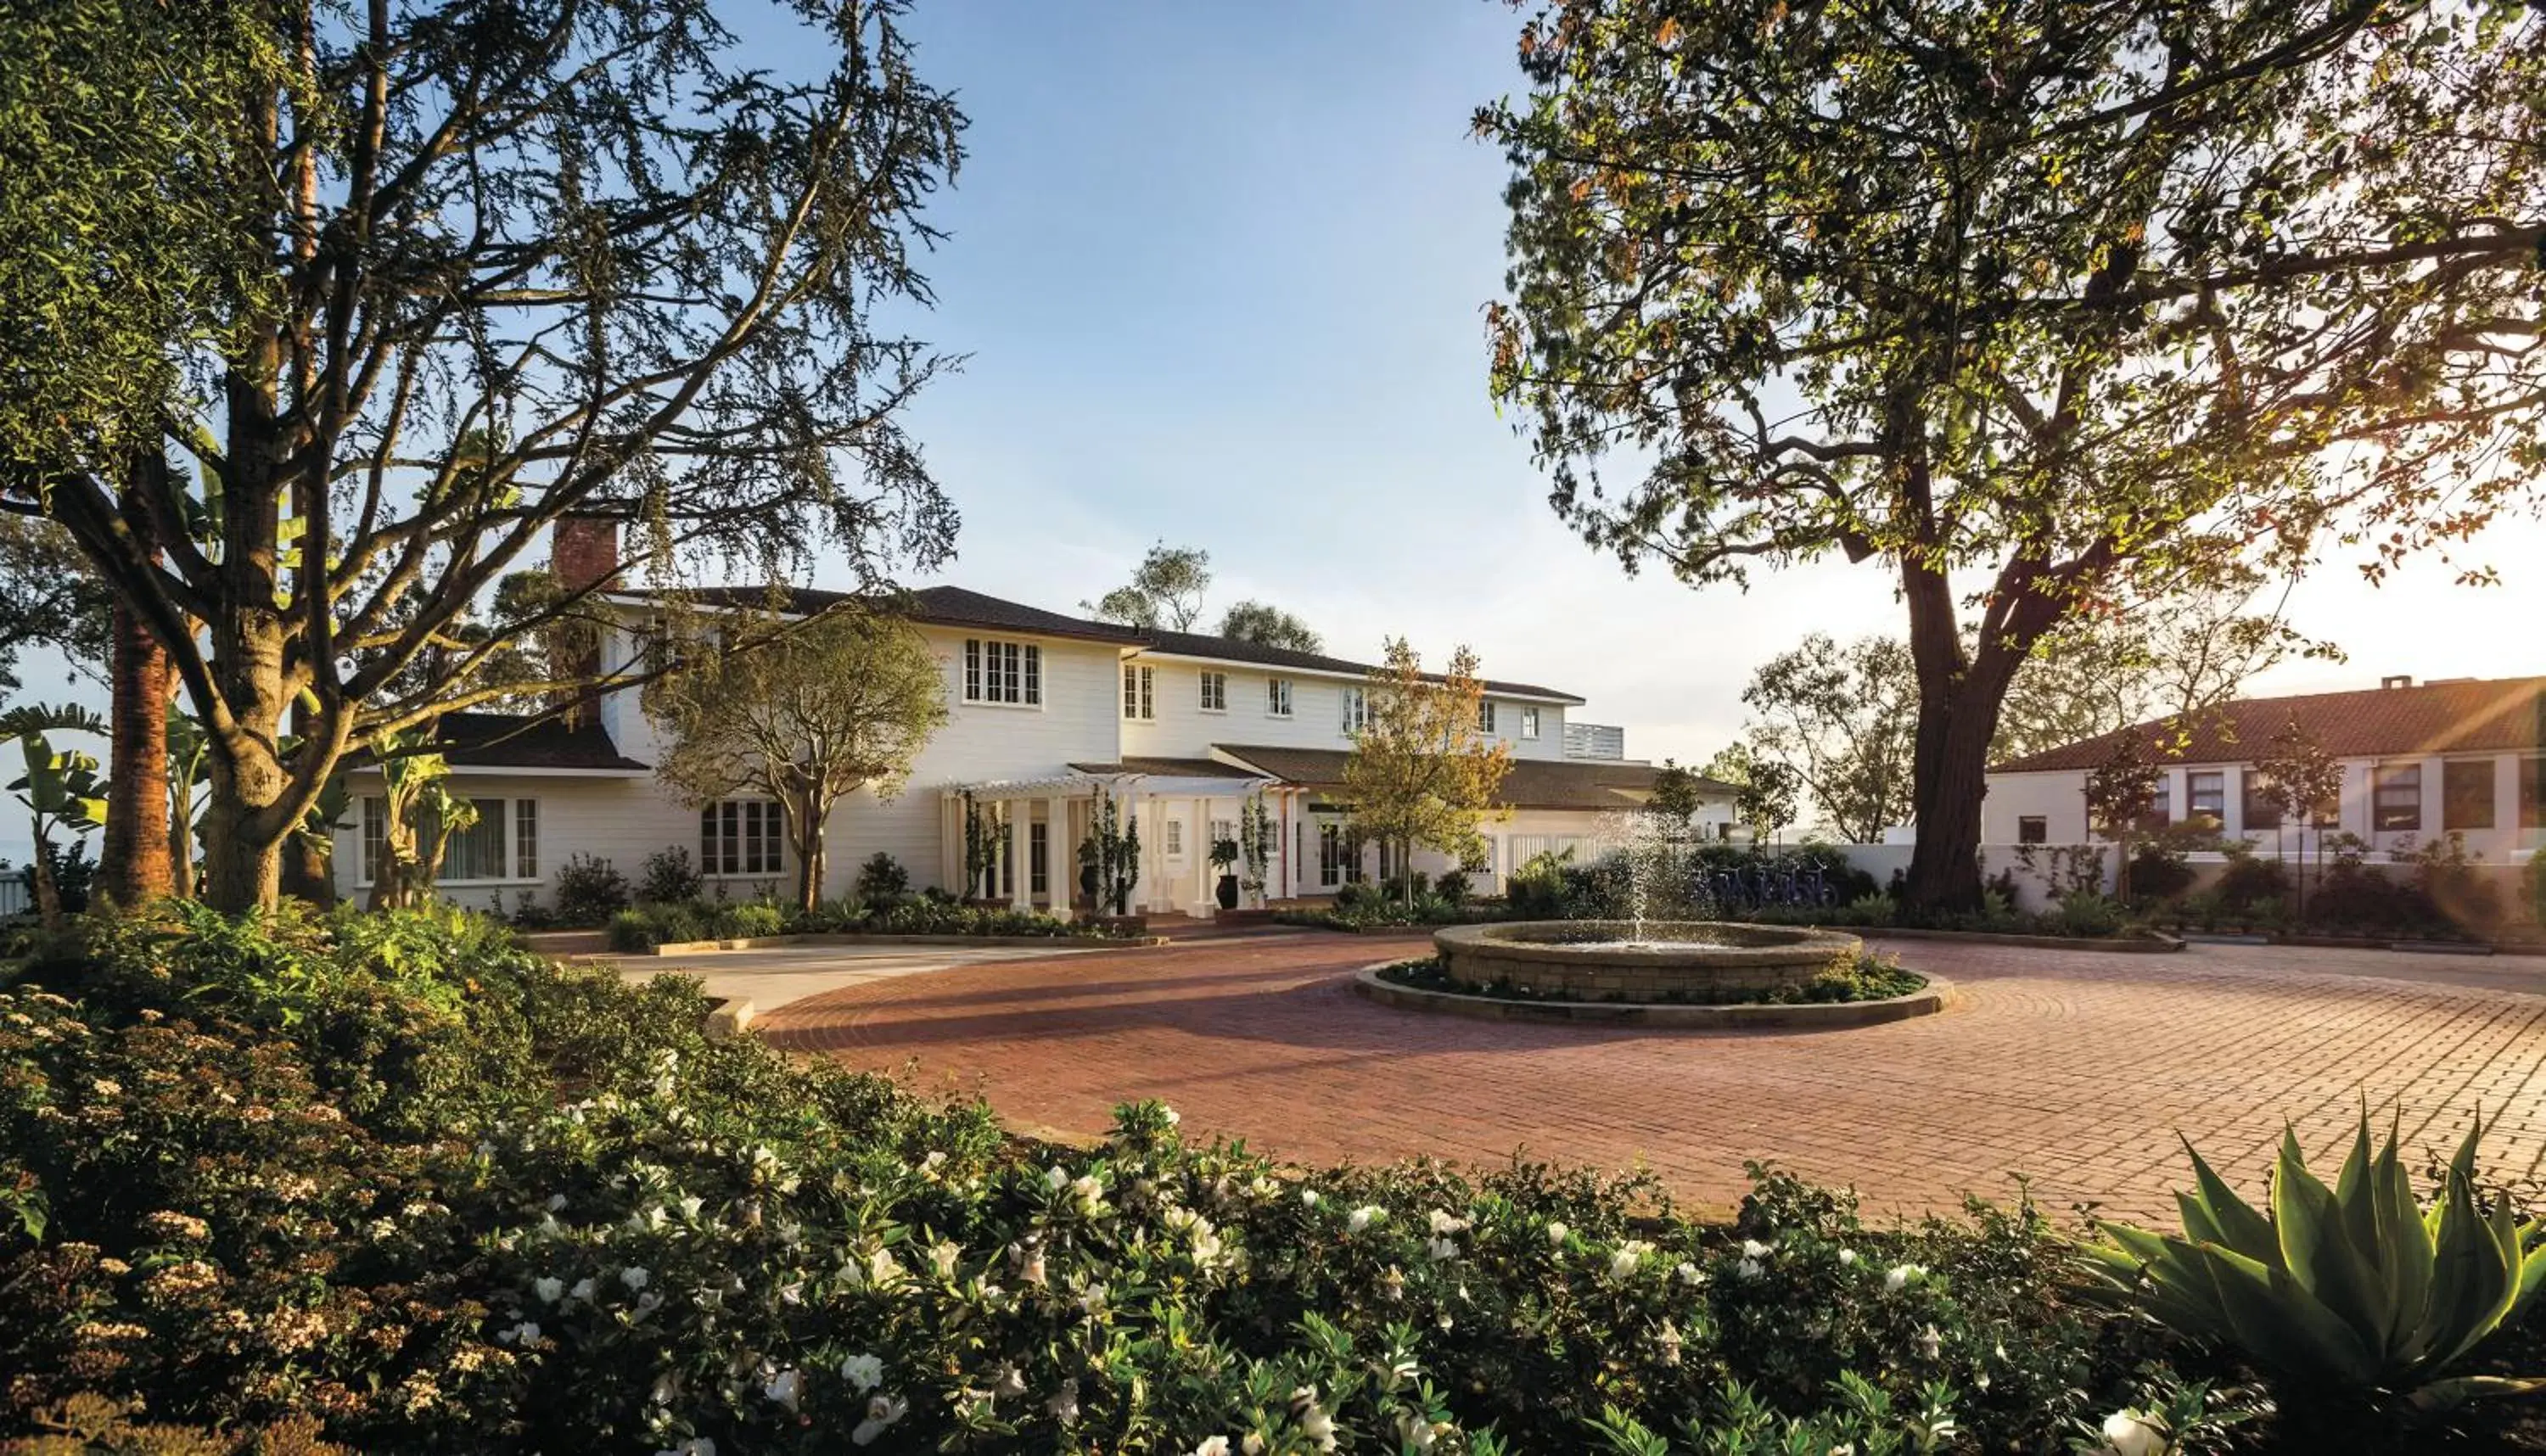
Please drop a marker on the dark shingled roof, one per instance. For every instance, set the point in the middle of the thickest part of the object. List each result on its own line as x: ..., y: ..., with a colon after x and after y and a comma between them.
x: 1533, y: 783
x: 2468, y: 716
x: 952, y: 606
x: 1238, y: 649
x: 1179, y: 768
x: 517, y: 740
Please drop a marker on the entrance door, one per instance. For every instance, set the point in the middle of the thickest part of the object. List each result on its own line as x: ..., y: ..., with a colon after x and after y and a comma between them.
x: 1333, y: 855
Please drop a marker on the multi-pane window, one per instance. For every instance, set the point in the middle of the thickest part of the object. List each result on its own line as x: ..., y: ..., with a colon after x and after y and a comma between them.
x: 1485, y: 716
x: 2033, y: 828
x: 2160, y: 809
x: 1139, y: 693
x: 1332, y: 857
x: 1038, y: 859
x: 1215, y: 692
x: 996, y: 671
x: 2396, y: 797
x: 1222, y: 831
x: 2261, y: 811
x: 740, y: 836
x: 1277, y: 697
x: 1356, y: 710
x: 475, y: 852
x: 2466, y: 794
x: 2208, y: 790
x: 1175, y: 836
x: 1529, y: 722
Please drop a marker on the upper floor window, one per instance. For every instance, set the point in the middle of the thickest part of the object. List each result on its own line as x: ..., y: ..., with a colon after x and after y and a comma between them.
x: 1215, y: 692
x: 1140, y: 692
x: 996, y: 671
x: 1277, y: 697
x: 2396, y: 797
x: 1485, y: 716
x: 1356, y: 710
x: 739, y: 836
x: 1529, y: 722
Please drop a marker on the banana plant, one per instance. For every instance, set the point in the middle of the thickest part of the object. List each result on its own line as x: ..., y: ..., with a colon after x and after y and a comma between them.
x: 2356, y: 1288
x: 60, y: 790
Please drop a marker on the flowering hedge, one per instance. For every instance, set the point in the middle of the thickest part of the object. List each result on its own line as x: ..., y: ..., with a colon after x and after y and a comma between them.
x: 393, y: 1181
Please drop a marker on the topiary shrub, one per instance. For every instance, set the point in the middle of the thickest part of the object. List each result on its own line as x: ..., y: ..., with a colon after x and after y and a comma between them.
x: 589, y: 890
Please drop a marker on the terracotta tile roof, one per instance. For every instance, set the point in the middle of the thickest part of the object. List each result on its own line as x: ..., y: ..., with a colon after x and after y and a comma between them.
x: 2464, y: 715
x: 519, y: 740
x: 952, y: 606
x: 1533, y: 783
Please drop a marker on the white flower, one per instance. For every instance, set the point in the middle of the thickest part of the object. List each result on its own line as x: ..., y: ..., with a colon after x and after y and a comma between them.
x: 691, y: 1205
x: 1364, y: 1216
x: 1416, y: 1431
x: 1092, y: 1299
x: 1309, y: 1196
x: 1207, y: 1247
x: 942, y: 1256
x: 694, y: 1446
x: 1898, y: 1277
x: 556, y: 1202
x: 1055, y: 1179
x: 1089, y: 1189
x: 1752, y: 1249
x: 1172, y: 1118
x: 1211, y: 1446
x: 1930, y: 1343
x: 1846, y: 1256
x: 883, y: 1270
x: 635, y: 1276
x: 2130, y: 1433
x: 1669, y: 1338
x: 549, y: 1291
x: 525, y: 1333
x: 1444, y: 1223
x: 1690, y: 1274
x: 1319, y: 1426
x: 1624, y: 1259
x: 863, y: 1372
x: 583, y: 1290
x: 882, y: 1413
x: 1011, y: 1384
x: 786, y: 1387
x: 1556, y: 1234
x: 1749, y: 1268
x: 1443, y: 1249
x: 1063, y: 1404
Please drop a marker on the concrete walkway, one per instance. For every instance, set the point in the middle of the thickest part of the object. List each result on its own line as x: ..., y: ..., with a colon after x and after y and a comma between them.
x: 773, y: 977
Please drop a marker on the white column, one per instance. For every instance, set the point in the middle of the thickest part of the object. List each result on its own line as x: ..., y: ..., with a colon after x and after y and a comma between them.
x: 1059, y: 857
x: 1203, y: 904
x: 1020, y: 883
x: 2232, y: 801
x: 2506, y: 808
x: 950, y: 841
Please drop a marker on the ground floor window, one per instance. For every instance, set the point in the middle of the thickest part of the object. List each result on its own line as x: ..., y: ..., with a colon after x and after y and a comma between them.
x: 740, y: 836
x: 2033, y: 828
x: 474, y: 852
x: 2466, y: 794
x: 1331, y: 855
x: 1038, y: 859
x: 2396, y: 797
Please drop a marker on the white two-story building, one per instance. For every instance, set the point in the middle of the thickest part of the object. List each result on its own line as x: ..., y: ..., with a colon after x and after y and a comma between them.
x: 1049, y: 714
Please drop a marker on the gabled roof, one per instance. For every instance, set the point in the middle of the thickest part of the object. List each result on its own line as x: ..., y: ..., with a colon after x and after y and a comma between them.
x: 1532, y: 782
x: 1238, y: 649
x: 1165, y: 768
x: 952, y: 606
x: 520, y: 740
x: 2458, y: 716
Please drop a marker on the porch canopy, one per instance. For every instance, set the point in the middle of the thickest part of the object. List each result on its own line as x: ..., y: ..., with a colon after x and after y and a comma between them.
x: 1045, y: 815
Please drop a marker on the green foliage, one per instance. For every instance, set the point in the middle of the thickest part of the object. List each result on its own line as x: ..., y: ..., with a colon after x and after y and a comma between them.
x: 2252, y: 884
x: 589, y: 890
x: 882, y: 878
x: 1165, y: 590
x: 2352, y: 1295
x: 668, y: 876
x: 1866, y: 978
x: 1270, y: 626
x: 1842, y: 721
x: 748, y: 920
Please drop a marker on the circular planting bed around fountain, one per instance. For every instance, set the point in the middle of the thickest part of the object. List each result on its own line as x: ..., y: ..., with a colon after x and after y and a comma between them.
x: 1694, y: 975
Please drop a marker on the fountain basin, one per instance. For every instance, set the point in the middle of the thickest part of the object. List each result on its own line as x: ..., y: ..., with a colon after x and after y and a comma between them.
x: 1655, y: 961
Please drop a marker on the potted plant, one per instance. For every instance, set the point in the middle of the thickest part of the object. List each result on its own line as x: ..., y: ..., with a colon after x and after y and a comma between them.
x: 1089, y: 876
x: 1224, y: 858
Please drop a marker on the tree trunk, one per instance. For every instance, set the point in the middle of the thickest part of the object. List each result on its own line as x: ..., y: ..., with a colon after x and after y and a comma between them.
x: 134, y: 860
x: 1959, y: 699
x: 181, y: 837
x: 39, y: 879
x: 809, y: 866
x: 308, y: 872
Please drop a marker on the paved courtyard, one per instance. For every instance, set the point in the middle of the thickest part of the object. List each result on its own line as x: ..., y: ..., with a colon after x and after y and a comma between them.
x: 2074, y: 1068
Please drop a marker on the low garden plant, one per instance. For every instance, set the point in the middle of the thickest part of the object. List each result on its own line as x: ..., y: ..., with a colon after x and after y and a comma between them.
x: 1870, y: 978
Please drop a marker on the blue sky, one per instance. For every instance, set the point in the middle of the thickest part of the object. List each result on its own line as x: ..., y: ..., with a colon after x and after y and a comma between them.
x: 1220, y: 270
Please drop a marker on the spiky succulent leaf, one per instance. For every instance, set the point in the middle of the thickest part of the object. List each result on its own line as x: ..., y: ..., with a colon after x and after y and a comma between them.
x: 2318, y: 1251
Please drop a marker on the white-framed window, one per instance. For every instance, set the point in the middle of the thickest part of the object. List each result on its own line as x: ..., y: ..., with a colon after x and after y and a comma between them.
x: 2396, y: 797
x: 1333, y: 858
x: 1004, y: 672
x: 1485, y: 716
x: 1038, y: 859
x: 476, y: 853
x: 2033, y: 828
x: 1221, y: 830
x: 740, y: 836
x: 1139, y: 693
x: 1529, y: 722
x: 1215, y: 692
x: 1174, y: 836
x: 2208, y: 790
x: 1277, y: 697
x: 1356, y: 710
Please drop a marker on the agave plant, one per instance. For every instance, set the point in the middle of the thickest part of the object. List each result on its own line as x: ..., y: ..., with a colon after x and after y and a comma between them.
x: 2358, y: 1287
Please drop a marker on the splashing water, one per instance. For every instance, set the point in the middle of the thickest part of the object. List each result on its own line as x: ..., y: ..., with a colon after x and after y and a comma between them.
x: 1660, y: 880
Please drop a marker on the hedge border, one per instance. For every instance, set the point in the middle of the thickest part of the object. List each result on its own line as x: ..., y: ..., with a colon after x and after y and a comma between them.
x: 1927, y: 1000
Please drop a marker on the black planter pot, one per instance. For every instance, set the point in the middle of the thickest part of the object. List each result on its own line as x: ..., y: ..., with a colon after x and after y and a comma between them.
x: 1087, y: 882
x: 1228, y: 891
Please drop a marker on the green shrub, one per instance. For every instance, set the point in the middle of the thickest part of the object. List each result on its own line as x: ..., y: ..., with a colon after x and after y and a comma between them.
x: 748, y: 920
x: 882, y: 878
x: 2085, y: 913
x: 633, y: 931
x: 1452, y: 887
x: 589, y: 890
x: 2159, y: 869
x: 668, y: 878
x: 2253, y: 885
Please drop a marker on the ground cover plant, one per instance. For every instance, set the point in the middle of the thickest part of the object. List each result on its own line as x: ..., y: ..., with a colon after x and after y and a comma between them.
x: 1870, y: 978
x: 392, y: 1182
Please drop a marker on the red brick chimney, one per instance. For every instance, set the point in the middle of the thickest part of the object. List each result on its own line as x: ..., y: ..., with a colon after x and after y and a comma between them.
x: 583, y: 552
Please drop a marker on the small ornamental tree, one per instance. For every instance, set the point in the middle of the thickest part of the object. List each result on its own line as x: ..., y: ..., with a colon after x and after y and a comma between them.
x: 1255, y: 832
x: 843, y: 703
x: 2120, y: 792
x: 1420, y: 771
x: 1846, y: 719
x: 2300, y: 779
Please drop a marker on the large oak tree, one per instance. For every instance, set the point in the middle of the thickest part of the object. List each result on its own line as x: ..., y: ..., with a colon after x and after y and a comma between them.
x: 2020, y: 298
x: 474, y: 269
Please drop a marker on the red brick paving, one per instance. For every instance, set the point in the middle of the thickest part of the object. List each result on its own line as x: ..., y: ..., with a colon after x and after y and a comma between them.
x: 2075, y: 1069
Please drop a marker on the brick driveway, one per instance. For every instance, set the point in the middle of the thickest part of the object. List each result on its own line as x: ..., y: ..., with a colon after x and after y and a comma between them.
x: 2074, y: 1068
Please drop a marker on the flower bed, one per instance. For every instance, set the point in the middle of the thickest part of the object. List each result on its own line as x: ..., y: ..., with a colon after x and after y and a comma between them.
x: 392, y: 1181
x: 1869, y: 977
